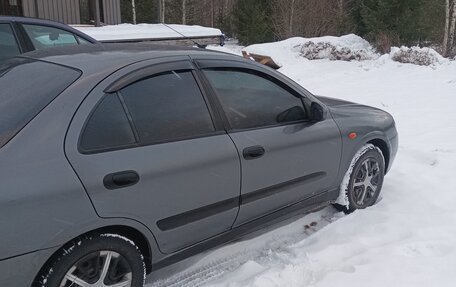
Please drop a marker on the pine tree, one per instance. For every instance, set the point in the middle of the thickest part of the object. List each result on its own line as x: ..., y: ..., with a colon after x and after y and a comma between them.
x: 390, y: 22
x: 252, y: 21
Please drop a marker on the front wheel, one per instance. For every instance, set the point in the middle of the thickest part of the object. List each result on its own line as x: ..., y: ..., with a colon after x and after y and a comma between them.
x: 99, y: 260
x: 364, y: 180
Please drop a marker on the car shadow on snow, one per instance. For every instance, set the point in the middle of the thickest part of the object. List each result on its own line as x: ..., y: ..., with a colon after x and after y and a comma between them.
x: 258, y: 246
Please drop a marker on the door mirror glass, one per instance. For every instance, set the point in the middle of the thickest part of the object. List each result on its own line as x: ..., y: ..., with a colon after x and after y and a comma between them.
x: 295, y: 113
x: 316, y: 112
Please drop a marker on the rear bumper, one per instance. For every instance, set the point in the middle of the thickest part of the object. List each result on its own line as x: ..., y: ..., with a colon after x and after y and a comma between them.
x: 20, y: 271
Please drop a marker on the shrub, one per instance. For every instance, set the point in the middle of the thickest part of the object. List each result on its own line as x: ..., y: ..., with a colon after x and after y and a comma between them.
x: 416, y: 55
x: 326, y: 50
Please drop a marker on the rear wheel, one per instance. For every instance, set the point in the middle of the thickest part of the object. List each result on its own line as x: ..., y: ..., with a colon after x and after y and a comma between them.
x: 365, y: 180
x: 102, y: 260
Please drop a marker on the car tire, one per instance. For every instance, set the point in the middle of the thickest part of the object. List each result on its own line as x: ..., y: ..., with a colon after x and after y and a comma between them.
x: 94, y: 259
x: 365, y: 180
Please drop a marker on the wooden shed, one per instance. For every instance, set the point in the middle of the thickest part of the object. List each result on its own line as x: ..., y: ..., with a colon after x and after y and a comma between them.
x: 91, y: 12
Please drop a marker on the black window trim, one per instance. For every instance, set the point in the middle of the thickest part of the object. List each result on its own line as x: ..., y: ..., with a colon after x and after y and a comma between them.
x: 228, y: 127
x: 143, y: 71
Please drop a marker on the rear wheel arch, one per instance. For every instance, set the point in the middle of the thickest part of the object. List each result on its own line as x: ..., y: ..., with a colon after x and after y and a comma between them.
x: 138, y: 238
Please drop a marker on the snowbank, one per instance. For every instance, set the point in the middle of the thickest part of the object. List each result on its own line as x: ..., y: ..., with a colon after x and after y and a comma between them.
x: 416, y: 55
x: 344, y: 48
x: 347, y: 48
x: 142, y: 31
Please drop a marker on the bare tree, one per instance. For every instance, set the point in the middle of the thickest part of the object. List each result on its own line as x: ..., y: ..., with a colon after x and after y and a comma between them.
x: 184, y: 12
x: 308, y: 18
x: 283, y: 17
x: 450, y: 26
x: 162, y: 10
x: 452, y: 29
x: 212, y: 13
x: 447, y: 27
x: 133, y: 10
x: 292, y: 11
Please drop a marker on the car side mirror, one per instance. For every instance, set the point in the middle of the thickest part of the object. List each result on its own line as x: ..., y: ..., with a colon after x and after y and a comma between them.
x: 316, y: 112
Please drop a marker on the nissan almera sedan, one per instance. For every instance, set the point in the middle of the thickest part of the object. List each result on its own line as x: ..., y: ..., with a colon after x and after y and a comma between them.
x: 116, y: 161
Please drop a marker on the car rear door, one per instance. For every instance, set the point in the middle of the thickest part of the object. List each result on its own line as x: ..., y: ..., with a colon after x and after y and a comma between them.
x: 285, y: 158
x: 148, y: 148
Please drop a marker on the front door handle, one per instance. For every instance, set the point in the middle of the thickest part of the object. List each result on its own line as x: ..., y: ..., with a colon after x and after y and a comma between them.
x: 121, y: 179
x: 253, y: 152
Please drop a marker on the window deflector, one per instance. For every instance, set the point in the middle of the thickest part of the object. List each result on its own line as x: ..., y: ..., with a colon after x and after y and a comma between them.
x: 145, y: 72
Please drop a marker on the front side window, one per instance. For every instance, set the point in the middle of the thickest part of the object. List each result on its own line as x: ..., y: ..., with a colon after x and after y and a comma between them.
x: 45, y: 37
x: 167, y: 107
x: 252, y: 100
x: 8, y: 44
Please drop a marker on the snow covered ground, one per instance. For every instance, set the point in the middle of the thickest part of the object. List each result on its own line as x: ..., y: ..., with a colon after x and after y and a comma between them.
x: 407, y: 239
x: 142, y: 31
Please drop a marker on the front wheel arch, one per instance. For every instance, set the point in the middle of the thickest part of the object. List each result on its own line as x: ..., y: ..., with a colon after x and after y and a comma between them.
x: 345, y: 201
x: 383, y: 146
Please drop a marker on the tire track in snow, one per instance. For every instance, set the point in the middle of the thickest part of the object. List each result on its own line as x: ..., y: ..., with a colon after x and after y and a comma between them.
x: 276, y: 242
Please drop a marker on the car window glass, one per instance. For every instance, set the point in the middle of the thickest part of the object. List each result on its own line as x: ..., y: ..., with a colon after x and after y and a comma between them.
x: 250, y: 100
x: 82, y: 41
x: 8, y: 44
x: 45, y: 37
x: 108, y: 127
x: 27, y: 87
x: 167, y: 106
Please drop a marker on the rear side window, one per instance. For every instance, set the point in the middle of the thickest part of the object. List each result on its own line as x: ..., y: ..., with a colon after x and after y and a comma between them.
x: 8, y: 44
x: 165, y: 107
x: 168, y: 107
x: 108, y: 127
x: 27, y: 87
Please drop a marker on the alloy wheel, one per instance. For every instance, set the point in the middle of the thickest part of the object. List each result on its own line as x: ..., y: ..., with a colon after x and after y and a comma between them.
x: 99, y: 269
x: 366, y: 182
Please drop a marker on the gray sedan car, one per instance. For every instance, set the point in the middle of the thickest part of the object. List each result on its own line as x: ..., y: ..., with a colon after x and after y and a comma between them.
x: 116, y: 160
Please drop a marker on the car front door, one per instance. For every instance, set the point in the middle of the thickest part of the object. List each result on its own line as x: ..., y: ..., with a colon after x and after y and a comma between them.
x: 285, y: 157
x: 148, y: 149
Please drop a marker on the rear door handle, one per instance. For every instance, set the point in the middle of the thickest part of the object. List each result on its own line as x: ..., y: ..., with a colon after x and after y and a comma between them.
x: 121, y: 179
x: 253, y: 152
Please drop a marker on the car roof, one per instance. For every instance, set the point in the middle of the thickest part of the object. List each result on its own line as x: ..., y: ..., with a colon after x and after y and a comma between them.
x: 36, y: 21
x: 30, y: 20
x: 98, y: 57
